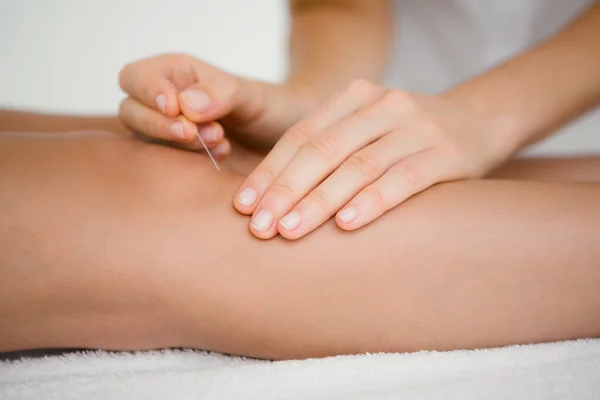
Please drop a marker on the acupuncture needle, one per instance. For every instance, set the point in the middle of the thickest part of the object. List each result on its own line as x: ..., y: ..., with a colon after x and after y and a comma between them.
x: 208, y: 151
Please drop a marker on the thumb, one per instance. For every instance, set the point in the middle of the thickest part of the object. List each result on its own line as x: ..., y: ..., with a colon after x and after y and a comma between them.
x: 211, y: 99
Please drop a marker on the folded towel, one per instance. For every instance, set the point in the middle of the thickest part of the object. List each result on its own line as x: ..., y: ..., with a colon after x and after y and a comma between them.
x: 563, y: 370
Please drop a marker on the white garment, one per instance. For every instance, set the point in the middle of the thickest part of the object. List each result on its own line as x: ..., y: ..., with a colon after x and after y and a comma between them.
x: 440, y: 43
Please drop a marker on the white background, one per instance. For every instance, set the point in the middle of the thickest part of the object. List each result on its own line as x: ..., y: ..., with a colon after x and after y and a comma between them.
x: 65, y: 55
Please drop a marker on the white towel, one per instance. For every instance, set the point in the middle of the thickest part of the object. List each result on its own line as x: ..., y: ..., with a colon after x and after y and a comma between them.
x: 564, y: 370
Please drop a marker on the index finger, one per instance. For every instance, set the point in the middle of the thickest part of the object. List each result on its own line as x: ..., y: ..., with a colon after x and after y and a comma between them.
x: 339, y: 107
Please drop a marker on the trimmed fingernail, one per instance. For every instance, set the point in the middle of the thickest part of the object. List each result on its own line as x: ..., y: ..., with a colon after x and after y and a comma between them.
x: 208, y: 134
x: 161, y: 102
x: 222, y: 148
x: 247, y: 197
x: 177, y: 130
x: 262, y: 221
x: 348, y: 215
x: 196, y: 99
x: 291, y: 221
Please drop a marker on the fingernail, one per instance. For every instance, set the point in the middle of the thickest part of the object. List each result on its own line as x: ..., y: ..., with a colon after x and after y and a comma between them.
x: 196, y: 99
x: 177, y: 130
x: 208, y: 134
x: 291, y: 221
x: 221, y: 148
x: 161, y: 102
x: 247, y: 197
x: 347, y: 215
x: 262, y: 221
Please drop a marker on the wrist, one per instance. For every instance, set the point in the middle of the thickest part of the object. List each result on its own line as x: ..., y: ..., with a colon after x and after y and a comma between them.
x: 306, y: 95
x: 505, y: 134
x: 264, y: 111
x: 317, y: 90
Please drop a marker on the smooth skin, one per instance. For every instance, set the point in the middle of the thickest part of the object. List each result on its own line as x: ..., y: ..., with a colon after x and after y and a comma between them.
x: 171, y: 97
x: 107, y: 242
x: 369, y: 148
x: 344, y: 146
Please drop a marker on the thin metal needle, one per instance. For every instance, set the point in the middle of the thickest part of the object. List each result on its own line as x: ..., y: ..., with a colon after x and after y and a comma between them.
x: 208, y: 151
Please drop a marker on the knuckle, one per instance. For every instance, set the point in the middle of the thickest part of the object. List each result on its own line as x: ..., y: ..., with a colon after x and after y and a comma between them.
x: 265, y: 174
x: 331, y: 107
x: 177, y: 57
x: 362, y: 163
x: 298, y: 135
x: 124, y: 77
x: 398, y: 101
x: 406, y: 173
x: 125, y: 114
x: 374, y: 113
x: 123, y: 108
x: 429, y: 124
x: 335, y: 97
x: 232, y: 86
x: 227, y: 85
x: 377, y: 197
x: 361, y: 86
x: 282, y: 189
x: 323, y: 146
x: 317, y: 198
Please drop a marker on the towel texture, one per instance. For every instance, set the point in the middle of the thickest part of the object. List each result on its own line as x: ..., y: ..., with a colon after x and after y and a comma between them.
x: 546, y: 371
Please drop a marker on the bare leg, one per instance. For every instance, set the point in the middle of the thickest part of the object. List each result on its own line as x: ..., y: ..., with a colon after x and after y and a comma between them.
x: 576, y: 169
x: 109, y: 243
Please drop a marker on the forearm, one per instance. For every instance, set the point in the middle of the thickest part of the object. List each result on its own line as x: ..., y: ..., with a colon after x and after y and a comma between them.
x: 335, y: 41
x: 20, y: 121
x: 543, y: 88
x: 99, y: 233
x: 332, y: 42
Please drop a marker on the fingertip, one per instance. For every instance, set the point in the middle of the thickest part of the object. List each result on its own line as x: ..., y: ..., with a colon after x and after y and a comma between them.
x: 182, y: 130
x: 263, y: 224
x: 148, y: 83
x: 245, y: 200
x: 352, y: 226
x: 342, y: 225
x: 212, y: 134
x: 222, y: 150
x: 263, y: 235
x: 291, y: 225
x: 289, y: 235
x: 195, y: 103
x: 241, y: 209
x: 161, y: 103
x: 347, y: 218
x: 166, y: 102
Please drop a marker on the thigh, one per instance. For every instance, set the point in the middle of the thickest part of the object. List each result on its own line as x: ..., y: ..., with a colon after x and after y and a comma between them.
x: 115, y: 244
x: 583, y: 169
